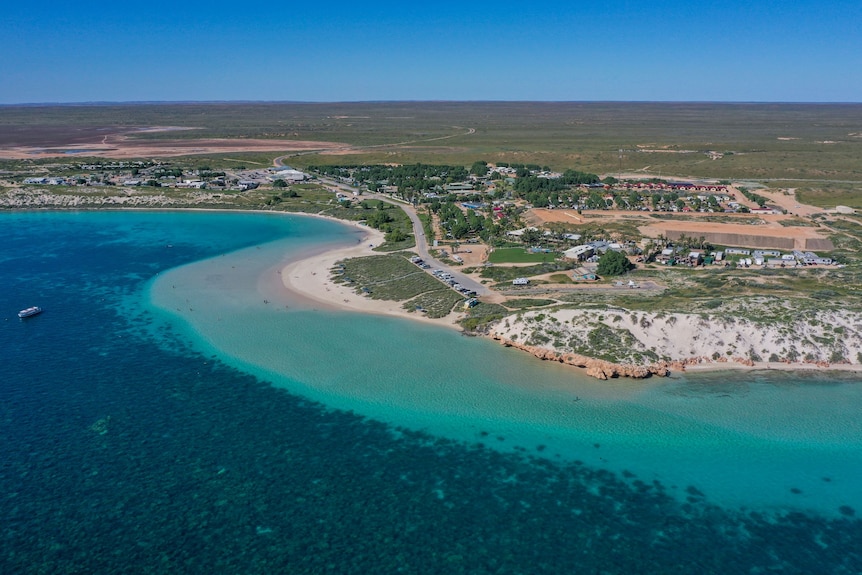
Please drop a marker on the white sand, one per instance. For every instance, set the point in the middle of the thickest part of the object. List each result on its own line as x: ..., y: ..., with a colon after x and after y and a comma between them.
x: 311, y: 278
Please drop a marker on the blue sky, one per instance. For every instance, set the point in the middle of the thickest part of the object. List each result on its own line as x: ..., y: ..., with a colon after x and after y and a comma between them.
x: 628, y: 50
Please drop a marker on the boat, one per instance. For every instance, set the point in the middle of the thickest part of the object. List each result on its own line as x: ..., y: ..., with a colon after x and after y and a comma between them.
x: 30, y: 311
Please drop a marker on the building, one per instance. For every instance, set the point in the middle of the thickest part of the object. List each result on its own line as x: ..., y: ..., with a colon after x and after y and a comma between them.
x: 765, y: 211
x: 288, y: 175
x: 578, y: 252
x: 520, y: 282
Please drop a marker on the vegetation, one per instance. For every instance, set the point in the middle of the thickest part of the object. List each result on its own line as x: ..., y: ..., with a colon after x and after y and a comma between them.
x: 459, y: 223
x: 760, y: 200
x: 508, y: 273
x: 524, y: 303
x: 669, y: 138
x: 613, y: 263
x: 478, y: 318
x: 519, y: 256
x: 393, y: 277
x: 406, y: 178
x: 542, y: 134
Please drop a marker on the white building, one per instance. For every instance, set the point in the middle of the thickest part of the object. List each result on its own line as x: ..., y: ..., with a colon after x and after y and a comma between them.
x: 578, y: 252
x: 288, y: 175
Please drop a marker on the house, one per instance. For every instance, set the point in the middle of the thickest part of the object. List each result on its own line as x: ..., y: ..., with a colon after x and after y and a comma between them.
x: 765, y: 211
x: 600, y: 246
x: 666, y: 256
x: 191, y: 184
x: 810, y: 258
x: 519, y: 233
x: 578, y: 252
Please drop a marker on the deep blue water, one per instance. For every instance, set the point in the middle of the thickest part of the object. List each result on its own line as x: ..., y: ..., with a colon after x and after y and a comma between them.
x: 120, y: 454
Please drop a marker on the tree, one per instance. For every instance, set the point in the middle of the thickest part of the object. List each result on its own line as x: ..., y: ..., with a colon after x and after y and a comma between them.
x: 395, y: 235
x: 613, y: 264
x: 279, y: 184
x: 479, y: 168
x: 531, y: 236
x: 378, y: 219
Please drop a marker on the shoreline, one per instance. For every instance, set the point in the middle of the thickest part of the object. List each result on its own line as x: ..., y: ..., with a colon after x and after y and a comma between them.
x: 310, y: 278
x: 604, y: 370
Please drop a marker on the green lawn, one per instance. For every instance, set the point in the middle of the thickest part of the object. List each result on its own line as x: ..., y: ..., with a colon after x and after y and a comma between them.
x: 519, y: 256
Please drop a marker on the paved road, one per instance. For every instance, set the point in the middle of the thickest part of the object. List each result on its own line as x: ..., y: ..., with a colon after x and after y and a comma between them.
x: 422, y: 248
x: 418, y: 233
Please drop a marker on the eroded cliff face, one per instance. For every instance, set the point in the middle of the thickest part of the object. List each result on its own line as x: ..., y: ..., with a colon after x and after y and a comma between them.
x: 643, y: 344
x: 597, y: 368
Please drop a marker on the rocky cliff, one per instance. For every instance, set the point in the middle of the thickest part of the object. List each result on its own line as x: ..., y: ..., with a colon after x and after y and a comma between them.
x: 597, y: 368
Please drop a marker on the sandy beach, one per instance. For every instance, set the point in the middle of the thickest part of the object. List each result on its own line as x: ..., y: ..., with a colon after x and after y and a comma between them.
x: 311, y: 279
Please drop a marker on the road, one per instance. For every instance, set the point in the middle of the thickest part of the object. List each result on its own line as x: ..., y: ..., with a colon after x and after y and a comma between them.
x: 582, y: 288
x: 418, y: 232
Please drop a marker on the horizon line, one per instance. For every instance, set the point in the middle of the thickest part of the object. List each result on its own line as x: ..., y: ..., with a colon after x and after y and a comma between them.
x: 415, y: 101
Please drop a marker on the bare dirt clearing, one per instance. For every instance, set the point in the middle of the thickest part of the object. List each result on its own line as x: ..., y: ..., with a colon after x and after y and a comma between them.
x: 744, y: 230
x: 52, y: 141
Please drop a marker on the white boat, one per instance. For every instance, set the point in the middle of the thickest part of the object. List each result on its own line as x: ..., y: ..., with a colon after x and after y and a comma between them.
x: 30, y: 311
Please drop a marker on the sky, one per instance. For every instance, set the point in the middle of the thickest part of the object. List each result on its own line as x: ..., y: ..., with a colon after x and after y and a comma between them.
x: 579, y: 50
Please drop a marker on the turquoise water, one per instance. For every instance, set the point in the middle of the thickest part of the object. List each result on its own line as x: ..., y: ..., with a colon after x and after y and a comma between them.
x: 759, y: 441
x: 161, y: 417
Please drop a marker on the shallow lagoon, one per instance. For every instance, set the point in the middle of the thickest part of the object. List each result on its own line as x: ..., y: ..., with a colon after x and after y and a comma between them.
x: 135, y: 436
x: 755, y: 440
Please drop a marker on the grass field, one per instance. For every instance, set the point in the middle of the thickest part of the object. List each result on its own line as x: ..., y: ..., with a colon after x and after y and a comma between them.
x: 519, y: 256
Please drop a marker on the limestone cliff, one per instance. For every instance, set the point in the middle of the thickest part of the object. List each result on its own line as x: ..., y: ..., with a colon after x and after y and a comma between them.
x: 597, y: 368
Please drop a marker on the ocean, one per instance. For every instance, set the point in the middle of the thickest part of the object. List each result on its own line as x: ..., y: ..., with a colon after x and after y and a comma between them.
x: 174, y: 411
